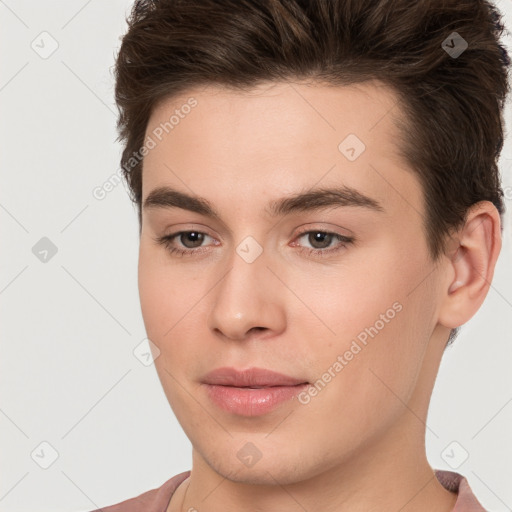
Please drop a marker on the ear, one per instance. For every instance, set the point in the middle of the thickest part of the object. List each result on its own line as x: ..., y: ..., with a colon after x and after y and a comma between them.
x: 472, y: 258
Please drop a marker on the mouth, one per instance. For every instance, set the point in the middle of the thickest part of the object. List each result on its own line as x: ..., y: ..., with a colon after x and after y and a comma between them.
x: 252, y: 391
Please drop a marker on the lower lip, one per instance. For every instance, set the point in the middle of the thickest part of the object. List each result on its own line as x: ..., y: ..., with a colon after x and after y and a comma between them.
x: 251, y: 402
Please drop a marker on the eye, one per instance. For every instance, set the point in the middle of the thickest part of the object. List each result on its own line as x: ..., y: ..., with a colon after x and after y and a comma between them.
x: 192, y: 242
x: 320, y: 240
x: 194, y: 238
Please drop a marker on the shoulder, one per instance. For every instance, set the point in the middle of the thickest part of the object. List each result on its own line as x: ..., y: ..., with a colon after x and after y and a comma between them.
x: 154, y: 500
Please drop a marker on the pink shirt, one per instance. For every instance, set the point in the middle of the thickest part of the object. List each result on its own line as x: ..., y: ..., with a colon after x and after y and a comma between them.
x: 157, y: 500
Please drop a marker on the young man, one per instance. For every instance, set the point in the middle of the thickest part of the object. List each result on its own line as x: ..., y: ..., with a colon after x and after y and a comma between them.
x: 320, y: 210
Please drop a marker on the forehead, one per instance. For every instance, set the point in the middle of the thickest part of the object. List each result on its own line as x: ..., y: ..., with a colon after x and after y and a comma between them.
x: 278, y: 137
x: 306, y: 110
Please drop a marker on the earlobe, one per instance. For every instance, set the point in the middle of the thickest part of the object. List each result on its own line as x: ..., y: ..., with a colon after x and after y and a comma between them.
x: 472, y: 265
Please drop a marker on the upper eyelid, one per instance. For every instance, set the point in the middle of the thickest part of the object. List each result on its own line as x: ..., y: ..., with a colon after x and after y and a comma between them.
x: 306, y: 229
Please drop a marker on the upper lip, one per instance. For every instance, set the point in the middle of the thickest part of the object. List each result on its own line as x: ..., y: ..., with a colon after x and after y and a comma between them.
x: 260, y: 377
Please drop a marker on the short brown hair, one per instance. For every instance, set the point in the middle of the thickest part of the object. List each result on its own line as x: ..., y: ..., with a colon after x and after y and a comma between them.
x: 453, y: 103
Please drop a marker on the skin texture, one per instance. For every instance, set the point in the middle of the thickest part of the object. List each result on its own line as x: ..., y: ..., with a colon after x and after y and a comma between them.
x: 359, y: 444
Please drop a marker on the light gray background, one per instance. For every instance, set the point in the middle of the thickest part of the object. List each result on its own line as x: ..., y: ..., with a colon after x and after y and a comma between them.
x: 68, y: 373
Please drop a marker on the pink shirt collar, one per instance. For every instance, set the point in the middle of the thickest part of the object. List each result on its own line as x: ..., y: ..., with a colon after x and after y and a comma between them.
x: 157, y: 500
x: 455, y: 482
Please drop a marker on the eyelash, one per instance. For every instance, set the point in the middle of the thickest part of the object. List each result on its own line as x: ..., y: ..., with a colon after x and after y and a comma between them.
x: 167, y: 240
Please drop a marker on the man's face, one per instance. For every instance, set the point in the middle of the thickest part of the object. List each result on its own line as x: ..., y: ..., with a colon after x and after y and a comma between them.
x: 353, y: 319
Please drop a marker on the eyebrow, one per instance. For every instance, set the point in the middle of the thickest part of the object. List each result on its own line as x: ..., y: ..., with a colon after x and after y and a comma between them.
x: 166, y: 197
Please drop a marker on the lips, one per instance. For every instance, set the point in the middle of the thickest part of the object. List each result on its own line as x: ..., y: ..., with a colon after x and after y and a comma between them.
x: 256, y: 378
x: 251, y: 392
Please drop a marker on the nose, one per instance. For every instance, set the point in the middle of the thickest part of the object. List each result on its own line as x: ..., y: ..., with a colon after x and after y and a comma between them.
x: 248, y: 301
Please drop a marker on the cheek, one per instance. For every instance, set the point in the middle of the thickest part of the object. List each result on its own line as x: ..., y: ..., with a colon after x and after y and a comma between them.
x: 161, y: 288
x: 162, y: 307
x: 376, y: 320
x: 161, y: 296
x: 171, y: 306
x: 150, y: 293
x: 341, y: 302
